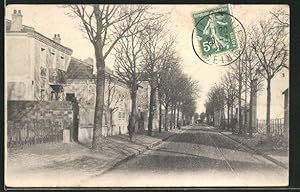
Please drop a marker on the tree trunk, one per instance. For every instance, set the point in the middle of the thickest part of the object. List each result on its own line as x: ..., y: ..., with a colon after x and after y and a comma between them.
x: 228, y: 114
x: 111, y: 121
x: 245, y: 112
x: 207, y: 118
x: 240, y: 107
x: 268, y: 106
x: 174, y: 116
x: 131, y: 125
x: 166, y: 117
x: 240, y: 117
x: 213, y: 118
x: 182, y: 118
x: 99, y: 106
x: 160, y: 116
x: 250, y: 110
x: 151, y: 111
x: 231, y: 118
x: 171, y: 117
x: 178, y: 124
x: 106, y: 119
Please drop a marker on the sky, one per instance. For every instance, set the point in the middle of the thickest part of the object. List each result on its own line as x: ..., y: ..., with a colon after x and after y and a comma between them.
x: 51, y: 19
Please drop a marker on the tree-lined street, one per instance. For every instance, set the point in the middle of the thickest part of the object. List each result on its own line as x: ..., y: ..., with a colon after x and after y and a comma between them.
x: 144, y: 109
x: 200, y: 156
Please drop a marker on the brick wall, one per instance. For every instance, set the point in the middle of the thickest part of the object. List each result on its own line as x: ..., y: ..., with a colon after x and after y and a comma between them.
x: 31, y: 122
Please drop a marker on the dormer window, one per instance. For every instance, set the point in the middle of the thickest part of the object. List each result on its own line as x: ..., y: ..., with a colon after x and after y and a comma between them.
x: 42, y: 49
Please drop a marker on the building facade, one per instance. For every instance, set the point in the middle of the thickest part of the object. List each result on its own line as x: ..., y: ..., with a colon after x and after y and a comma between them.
x: 81, y: 84
x: 35, y: 64
x: 42, y: 69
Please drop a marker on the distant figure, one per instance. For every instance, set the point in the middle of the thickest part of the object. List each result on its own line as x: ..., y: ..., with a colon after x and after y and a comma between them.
x: 234, y: 123
x: 130, y: 127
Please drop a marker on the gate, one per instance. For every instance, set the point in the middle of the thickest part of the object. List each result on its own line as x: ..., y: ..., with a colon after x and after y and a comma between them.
x: 74, y: 131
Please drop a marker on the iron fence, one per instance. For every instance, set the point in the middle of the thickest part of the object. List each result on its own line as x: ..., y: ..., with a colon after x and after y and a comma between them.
x: 34, y: 132
x: 276, y: 127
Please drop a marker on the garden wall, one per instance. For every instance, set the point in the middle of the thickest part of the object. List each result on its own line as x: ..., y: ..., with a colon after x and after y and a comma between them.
x: 32, y: 122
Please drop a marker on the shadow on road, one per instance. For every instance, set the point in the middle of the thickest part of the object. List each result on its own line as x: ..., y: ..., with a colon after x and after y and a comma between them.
x: 165, y: 160
x: 205, y: 138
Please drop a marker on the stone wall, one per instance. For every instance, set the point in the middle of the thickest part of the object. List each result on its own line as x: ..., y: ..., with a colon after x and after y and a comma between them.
x: 31, y: 122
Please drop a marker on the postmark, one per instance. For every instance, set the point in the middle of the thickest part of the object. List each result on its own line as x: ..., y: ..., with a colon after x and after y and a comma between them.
x: 218, y: 38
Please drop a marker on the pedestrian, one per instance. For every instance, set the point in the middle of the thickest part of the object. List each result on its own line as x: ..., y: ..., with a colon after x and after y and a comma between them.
x: 130, y: 127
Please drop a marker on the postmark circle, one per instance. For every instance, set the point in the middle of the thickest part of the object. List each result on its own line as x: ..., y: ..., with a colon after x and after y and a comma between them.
x: 219, y: 45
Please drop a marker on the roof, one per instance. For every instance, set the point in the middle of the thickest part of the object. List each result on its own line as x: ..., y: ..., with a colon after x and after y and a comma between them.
x: 39, y: 36
x: 78, y: 69
x: 81, y: 70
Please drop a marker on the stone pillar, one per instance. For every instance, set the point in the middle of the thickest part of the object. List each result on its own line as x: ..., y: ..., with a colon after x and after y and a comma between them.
x: 66, y: 136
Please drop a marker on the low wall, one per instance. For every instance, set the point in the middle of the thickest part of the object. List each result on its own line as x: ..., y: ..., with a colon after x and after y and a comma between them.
x: 31, y: 122
x: 85, y: 134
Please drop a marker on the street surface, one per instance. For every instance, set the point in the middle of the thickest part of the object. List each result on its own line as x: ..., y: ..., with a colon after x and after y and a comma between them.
x: 200, y: 156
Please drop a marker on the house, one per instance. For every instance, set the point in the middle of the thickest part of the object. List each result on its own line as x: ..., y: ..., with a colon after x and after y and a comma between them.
x: 81, y: 84
x: 35, y: 64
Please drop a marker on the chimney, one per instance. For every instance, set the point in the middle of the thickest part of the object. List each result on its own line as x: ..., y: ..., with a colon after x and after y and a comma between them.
x: 16, y: 23
x: 57, y: 38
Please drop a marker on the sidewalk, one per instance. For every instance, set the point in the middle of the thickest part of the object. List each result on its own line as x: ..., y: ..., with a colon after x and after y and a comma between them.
x: 59, y: 164
x: 273, y: 149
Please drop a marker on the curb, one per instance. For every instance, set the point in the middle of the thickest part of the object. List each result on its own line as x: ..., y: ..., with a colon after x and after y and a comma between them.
x: 257, y: 152
x: 138, y: 152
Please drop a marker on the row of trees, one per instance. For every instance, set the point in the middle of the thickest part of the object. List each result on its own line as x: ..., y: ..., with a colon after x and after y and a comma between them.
x: 149, y: 55
x: 265, y: 55
x: 143, y: 51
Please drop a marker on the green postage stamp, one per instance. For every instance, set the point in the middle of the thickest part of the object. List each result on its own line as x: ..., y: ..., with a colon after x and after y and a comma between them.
x: 215, y: 31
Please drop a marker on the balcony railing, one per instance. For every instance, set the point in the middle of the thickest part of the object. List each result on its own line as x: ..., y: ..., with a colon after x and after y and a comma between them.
x: 57, y: 76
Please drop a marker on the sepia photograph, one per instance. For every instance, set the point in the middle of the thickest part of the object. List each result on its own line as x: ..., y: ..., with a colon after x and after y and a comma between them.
x: 146, y: 95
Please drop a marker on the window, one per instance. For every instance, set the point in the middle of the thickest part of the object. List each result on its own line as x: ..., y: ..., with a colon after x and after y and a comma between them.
x: 43, y: 57
x: 120, y: 115
x: 43, y: 72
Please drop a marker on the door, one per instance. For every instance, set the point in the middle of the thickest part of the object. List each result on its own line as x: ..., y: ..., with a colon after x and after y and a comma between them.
x: 75, y: 128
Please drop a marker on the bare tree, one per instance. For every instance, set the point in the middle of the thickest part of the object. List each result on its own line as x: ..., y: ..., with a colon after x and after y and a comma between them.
x: 128, y: 67
x: 253, y: 81
x: 237, y: 69
x: 156, y: 48
x: 186, y: 89
x: 270, y: 47
x: 104, y: 26
x: 215, y: 102
x: 162, y: 81
x: 168, y: 74
x: 281, y: 17
x: 229, y: 85
x: 188, y: 109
